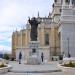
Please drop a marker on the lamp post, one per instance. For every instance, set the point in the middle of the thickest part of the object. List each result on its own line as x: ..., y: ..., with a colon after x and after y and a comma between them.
x: 68, y: 47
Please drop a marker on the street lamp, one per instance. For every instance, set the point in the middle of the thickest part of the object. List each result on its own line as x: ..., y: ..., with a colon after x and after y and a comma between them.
x: 68, y: 47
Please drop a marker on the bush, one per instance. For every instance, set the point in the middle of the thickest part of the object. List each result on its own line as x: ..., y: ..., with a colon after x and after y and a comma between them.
x: 70, y: 64
x: 2, y: 65
x: 6, y: 56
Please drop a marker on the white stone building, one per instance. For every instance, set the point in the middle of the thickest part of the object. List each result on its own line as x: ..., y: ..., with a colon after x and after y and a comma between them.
x: 67, y: 27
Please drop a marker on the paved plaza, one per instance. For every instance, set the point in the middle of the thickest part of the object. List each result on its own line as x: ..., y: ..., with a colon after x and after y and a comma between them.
x: 19, y: 69
x: 42, y: 68
x: 53, y: 73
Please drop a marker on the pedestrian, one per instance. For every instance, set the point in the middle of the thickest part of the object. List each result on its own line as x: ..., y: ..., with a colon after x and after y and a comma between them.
x: 20, y: 57
x: 42, y: 56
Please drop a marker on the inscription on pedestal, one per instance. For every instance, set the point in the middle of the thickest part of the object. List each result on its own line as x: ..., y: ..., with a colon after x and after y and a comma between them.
x: 34, y: 50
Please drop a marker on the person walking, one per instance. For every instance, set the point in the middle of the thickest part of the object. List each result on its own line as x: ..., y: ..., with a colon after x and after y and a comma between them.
x: 20, y: 57
x: 42, y: 56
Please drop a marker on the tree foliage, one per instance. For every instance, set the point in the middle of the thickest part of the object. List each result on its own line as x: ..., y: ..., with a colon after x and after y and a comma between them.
x: 6, y: 56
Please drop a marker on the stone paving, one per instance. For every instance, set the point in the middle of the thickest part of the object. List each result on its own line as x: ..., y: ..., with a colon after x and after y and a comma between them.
x: 43, y: 68
x: 17, y: 66
x: 53, y: 73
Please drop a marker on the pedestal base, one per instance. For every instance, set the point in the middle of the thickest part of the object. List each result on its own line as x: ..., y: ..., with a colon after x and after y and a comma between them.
x: 33, y: 60
x: 34, y: 53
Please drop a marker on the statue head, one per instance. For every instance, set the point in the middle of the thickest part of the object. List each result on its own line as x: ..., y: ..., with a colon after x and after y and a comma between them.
x: 33, y: 18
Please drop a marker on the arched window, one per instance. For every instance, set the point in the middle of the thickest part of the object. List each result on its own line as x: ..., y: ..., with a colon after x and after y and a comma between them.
x: 46, y: 39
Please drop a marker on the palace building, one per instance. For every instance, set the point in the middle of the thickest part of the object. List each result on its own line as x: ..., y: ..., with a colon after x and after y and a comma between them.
x: 56, y: 33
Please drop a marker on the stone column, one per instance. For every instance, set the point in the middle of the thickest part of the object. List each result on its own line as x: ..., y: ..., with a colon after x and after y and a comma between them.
x: 21, y: 39
x: 42, y: 35
x: 70, y: 5
x: 63, y: 2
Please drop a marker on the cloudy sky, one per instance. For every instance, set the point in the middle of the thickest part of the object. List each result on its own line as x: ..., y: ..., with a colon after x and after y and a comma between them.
x: 14, y: 15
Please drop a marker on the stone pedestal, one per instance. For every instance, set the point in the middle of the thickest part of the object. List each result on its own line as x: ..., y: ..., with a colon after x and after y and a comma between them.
x: 34, y: 53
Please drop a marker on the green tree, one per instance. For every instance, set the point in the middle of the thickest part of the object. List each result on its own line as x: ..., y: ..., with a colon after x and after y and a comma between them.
x: 6, y: 56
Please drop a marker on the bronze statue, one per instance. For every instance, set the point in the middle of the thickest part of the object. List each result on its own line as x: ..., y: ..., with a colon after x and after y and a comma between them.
x: 34, y: 24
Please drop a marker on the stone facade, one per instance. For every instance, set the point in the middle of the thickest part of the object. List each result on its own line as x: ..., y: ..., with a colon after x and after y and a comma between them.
x: 21, y: 39
x: 56, y: 33
x: 48, y: 36
x: 67, y: 28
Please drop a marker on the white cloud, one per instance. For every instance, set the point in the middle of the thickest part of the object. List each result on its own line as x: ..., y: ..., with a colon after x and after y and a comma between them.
x: 5, y: 48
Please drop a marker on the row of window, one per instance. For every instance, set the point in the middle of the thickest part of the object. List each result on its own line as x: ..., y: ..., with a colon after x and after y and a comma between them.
x: 67, y: 1
x: 46, y: 39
